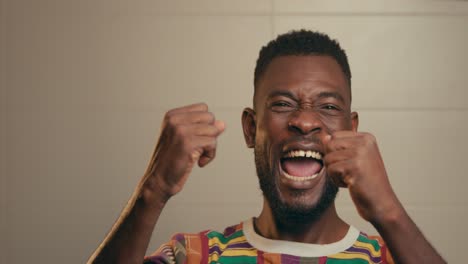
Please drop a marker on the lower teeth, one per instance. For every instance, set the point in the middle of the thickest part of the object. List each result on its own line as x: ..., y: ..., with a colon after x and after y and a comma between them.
x: 304, y: 178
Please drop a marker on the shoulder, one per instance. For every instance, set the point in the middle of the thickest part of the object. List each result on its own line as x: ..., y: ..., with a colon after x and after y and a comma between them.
x: 195, y: 247
x: 192, y: 239
x: 378, y: 245
x: 367, y: 249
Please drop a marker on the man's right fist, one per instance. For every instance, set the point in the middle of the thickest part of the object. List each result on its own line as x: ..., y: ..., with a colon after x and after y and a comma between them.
x: 188, y: 136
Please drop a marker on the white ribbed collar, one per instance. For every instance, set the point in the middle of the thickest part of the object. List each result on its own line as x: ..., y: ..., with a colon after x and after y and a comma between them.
x: 297, y: 248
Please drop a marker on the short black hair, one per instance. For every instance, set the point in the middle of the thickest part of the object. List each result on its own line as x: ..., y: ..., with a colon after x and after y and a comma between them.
x: 301, y: 42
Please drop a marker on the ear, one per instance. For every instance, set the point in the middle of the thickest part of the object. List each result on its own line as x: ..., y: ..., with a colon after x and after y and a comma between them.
x: 249, y: 126
x: 354, y: 121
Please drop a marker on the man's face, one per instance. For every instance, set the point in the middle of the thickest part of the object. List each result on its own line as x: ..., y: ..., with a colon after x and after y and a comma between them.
x: 298, y: 101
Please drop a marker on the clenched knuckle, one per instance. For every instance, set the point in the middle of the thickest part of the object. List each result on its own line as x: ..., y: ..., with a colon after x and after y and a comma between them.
x: 370, y: 138
x: 170, y: 113
x: 336, y: 170
x: 166, y: 118
x: 210, y: 117
x: 203, y: 105
x: 170, y: 119
x: 179, y: 131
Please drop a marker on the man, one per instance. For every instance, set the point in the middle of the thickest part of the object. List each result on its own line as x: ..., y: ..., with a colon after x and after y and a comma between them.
x: 306, y: 146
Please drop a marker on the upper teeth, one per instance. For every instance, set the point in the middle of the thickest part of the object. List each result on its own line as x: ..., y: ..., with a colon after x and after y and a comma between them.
x: 304, y: 153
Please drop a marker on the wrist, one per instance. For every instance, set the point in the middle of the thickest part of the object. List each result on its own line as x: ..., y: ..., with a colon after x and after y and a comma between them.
x: 153, y: 193
x: 389, y: 216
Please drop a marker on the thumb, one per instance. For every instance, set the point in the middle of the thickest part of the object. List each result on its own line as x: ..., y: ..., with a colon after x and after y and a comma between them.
x: 220, y: 125
x: 326, y: 139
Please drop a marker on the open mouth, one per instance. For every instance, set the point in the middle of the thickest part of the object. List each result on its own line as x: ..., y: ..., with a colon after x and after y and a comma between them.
x: 301, y: 165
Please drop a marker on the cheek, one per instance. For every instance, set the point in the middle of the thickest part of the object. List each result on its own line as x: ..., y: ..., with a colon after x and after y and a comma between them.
x: 270, y: 132
x: 333, y: 124
x: 276, y: 126
x: 272, y: 123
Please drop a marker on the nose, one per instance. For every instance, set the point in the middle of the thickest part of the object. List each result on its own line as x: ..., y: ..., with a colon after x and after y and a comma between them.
x: 305, y: 121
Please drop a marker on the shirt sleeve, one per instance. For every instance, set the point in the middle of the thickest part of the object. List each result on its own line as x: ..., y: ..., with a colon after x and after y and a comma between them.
x: 386, y: 256
x: 183, y: 248
x: 172, y: 252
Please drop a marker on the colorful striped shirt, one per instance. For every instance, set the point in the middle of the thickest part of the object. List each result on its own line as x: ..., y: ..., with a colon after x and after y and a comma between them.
x: 241, y: 244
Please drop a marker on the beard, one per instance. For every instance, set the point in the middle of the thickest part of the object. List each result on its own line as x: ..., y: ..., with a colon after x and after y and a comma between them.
x: 300, y: 211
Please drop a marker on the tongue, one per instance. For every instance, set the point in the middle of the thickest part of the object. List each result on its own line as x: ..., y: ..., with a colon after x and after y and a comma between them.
x: 301, y: 167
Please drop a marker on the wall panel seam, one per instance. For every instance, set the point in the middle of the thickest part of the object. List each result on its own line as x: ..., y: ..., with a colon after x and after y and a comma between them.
x: 371, y: 14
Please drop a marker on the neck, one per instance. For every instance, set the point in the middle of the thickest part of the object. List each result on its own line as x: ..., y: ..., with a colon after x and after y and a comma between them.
x: 328, y: 228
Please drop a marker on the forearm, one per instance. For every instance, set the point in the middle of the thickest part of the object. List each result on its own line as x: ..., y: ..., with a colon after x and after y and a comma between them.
x: 188, y: 137
x: 129, y: 237
x: 404, y: 239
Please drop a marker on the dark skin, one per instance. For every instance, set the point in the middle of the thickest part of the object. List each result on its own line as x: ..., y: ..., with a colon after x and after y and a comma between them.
x: 300, y: 97
x: 313, y: 101
x: 309, y: 97
x: 188, y: 137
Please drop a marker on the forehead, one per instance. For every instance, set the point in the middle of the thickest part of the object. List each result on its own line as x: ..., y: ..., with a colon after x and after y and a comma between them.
x: 304, y: 74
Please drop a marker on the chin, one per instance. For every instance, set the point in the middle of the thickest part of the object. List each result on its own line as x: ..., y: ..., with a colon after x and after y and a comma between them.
x: 292, y: 202
x: 297, y: 206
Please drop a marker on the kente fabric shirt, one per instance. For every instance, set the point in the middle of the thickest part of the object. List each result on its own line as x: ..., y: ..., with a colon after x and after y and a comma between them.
x: 241, y: 244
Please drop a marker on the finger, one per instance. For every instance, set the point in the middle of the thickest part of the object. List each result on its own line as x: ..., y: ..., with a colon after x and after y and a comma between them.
x: 209, y: 151
x: 201, y: 117
x: 190, y: 108
x: 337, y: 144
x: 191, y: 117
x: 344, y: 134
x: 338, y: 182
x: 207, y: 158
x: 338, y: 173
x: 203, y: 130
x: 338, y: 156
x: 220, y: 125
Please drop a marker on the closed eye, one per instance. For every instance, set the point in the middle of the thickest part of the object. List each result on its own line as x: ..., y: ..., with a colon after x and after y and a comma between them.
x: 281, y: 106
x: 331, y: 107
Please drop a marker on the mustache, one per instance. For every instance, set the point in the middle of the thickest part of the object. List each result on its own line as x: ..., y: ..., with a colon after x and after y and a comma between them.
x: 303, y: 139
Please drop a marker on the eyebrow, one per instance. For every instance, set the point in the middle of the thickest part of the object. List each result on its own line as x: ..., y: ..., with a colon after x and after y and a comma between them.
x: 321, y: 95
x: 335, y: 95
x: 281, y: 93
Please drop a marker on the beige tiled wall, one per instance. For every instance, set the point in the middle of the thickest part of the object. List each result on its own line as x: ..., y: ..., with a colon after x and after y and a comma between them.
x: 3, y: 149
x: 87, y: 84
